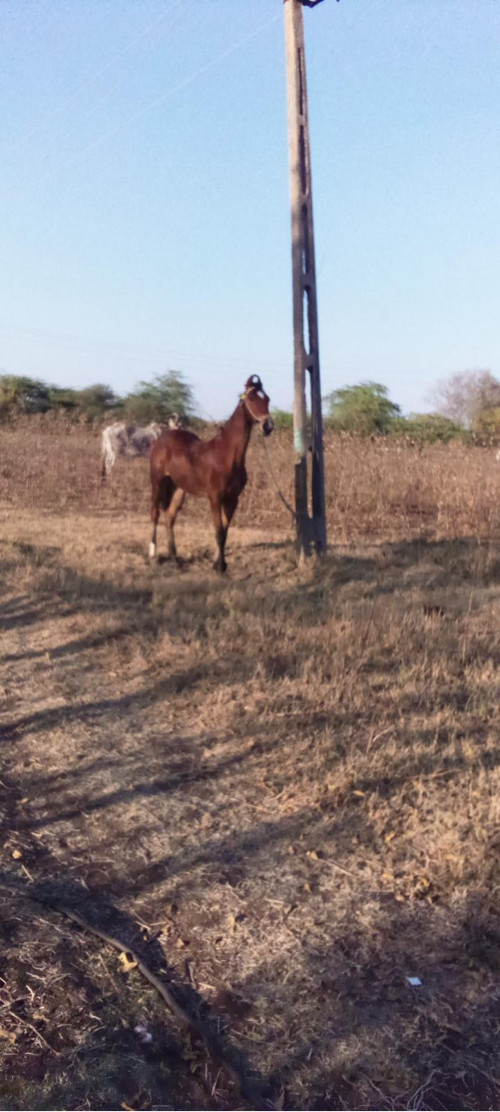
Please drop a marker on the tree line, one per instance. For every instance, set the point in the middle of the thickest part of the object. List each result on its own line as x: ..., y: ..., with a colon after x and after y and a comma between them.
x: 466, y: 405
x: 149, y: 401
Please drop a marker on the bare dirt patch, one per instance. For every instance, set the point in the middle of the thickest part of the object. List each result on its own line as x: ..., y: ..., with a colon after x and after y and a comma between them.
x: 289, y: 779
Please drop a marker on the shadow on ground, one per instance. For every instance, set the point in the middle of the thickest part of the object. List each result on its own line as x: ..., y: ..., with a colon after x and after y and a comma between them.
x: 300, y: 790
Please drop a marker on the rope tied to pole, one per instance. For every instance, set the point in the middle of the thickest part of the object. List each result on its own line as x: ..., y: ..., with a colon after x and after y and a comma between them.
x: 276, y: 484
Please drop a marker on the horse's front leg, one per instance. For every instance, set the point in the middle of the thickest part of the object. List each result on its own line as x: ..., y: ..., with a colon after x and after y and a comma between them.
x: 221, y: 525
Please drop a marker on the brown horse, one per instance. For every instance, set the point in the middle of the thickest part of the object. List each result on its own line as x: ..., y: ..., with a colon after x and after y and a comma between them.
x: 181, y: 463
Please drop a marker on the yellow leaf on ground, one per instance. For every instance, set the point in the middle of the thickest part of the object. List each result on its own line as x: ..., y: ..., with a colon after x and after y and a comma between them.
x: 16, y: 853
x: 10, y: 1035
x: 126, y: 963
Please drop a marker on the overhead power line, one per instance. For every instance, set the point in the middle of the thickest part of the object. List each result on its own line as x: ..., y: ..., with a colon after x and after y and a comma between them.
x: 156, y: 101
x: 153, y: 355
x: 96, y: 74
x: 96, y: 105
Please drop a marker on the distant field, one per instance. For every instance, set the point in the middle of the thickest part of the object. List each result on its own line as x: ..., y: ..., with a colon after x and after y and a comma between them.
x: 375, y: 490
x: 288, y: 779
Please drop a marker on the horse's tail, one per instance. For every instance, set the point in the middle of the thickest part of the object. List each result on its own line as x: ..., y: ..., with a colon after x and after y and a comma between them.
x: 167, y: 491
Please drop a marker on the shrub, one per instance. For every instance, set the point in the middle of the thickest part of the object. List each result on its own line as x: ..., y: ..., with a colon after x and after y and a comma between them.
x: 156, y: 400
x: 487, y: 424
x: 96, y: 401
x: 19, y: 394
x: 363, y: 409
x: 426, y: 428
x: 282, y: 418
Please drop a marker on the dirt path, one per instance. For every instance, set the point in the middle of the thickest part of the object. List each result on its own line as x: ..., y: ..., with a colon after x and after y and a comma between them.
x: 291, y: 780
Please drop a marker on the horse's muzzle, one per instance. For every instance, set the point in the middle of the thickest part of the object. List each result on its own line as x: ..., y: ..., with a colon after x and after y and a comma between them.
x: 267, y: 426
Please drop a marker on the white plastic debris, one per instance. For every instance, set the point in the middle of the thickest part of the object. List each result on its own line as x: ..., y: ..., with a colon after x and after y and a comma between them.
x: 143, y: 1033
x: 415, y: 981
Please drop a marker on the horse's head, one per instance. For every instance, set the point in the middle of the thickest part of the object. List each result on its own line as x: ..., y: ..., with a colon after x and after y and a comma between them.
x: 256, y: 403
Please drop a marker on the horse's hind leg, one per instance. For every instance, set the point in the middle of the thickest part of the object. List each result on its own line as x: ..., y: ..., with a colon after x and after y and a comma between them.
x: 176, y: 500
x: 163, y: 492
x: 155, y: 513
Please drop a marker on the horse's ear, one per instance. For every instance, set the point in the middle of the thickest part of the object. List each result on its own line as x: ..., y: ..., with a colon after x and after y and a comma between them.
x: 254, y: 382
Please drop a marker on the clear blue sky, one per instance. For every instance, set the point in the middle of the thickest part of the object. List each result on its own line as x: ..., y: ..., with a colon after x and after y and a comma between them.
x: 144, y: 192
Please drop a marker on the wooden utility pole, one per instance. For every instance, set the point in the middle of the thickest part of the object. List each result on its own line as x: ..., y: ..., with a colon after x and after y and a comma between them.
x: 311, y: 531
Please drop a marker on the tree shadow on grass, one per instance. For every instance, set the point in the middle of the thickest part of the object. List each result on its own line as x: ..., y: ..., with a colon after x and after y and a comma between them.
x: 451, y: 559
x: 21, y: 612
x: 362, y: 1036
x: 140, y: 790
x: 70, y: 648
x: 98, y: 710
x: 354, y: 1033
x: 139, y: 1051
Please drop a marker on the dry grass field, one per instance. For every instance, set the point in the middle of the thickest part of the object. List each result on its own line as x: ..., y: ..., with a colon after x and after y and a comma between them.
x: 282, y: 787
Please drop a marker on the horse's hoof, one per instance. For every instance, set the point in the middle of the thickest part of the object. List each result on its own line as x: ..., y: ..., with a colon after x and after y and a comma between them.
x: 152, y: 551
x: 221, y: 568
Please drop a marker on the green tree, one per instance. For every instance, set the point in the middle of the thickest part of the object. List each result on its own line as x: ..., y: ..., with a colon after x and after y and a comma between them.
x: 156, y: 400
x: 19, y: 394
x: 364, y: 409
x: 426, y: 428
x: 487, y: 424
x: 63, y: 397
x: 282, y: 418
x: 96, y: 401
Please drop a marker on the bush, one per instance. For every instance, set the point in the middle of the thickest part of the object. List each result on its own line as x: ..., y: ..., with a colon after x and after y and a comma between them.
x: 19, y: 394
x: 282, y: 419
x: 363, y: 409
x: 63, y: 398
x: 426, y: 428
x: 96, y: 401
x: 156, y: 400
x: 487, y: 424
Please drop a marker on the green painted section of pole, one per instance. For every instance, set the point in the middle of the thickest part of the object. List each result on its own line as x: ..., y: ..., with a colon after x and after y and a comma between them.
x: 311, y: 532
